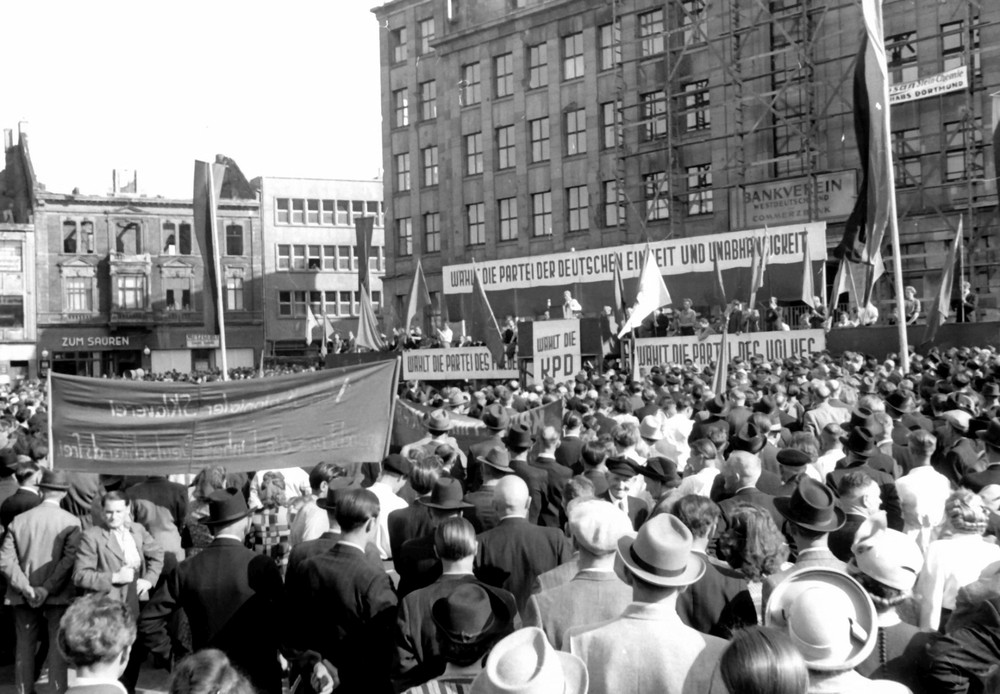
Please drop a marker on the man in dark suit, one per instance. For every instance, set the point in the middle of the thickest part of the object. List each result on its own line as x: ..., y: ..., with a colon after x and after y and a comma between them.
x: 648, y: 407
x: 570, y: 448
x: 496, y: 419
x: 859, y: 499
x: 991, y: 475
x: 495, y: 466
x: 519, y: 441
x: 164, y: 493
x: 859, y: 445
x: 233, y: 597
x: 552, y: 514
x: 351, y: 603
x: 621, y: 477
x: 956, y: 455
x: 515, y: 552
x: 27, y: 495
x: 740, y: 473
x: 414, y: 520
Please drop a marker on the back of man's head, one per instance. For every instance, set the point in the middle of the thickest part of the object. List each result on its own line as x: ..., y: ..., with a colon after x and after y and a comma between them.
x: 698, y: 513
x: 593, y: 454
x: 921, y: 444
x: 355, y: 508
x: 854, y: 487
x: 744, y: 466
x: 26, y: 472
x: 510, y: 497
x: 455, y: 539
x: 324, y: 472
x: 424, y: 473
x: 550, y: 439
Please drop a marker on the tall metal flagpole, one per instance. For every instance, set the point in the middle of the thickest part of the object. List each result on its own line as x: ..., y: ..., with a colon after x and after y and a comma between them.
x: 220, y: 303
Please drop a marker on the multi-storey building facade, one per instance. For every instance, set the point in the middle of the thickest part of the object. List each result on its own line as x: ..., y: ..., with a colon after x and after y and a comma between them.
x: 522, y: 127
x: 121, y: 283
x: 311, y: 258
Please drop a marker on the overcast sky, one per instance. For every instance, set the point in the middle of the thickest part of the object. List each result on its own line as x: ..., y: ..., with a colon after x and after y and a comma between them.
x: 286, y: 88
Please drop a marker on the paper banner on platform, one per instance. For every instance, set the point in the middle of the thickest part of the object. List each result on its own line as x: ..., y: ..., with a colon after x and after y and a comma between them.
x: 458, y: 363
x: 156, y: 428
x: 659, y: 351
x: 556, y: 350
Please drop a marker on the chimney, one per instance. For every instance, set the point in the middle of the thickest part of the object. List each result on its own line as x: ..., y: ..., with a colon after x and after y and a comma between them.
x: 8, y: 139
x: 22, y: 128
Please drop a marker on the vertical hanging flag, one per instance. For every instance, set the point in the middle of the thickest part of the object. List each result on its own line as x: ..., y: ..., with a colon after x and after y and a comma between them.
x: 652, y: 294
x: 761, y: 255
x: 942, y: 300
x: 327, y: 336
x: 720, y: 286
x: 867, y: 222
x: 621, y: 306
x: 311, y: 323
x: 368, y: 332
x: 995, y: 102
x: 207, y: 189
x: 419, y: 299
x: 808, y: 283
x: 721, y: 375
x: 363, y: 229
x: 483, y: 324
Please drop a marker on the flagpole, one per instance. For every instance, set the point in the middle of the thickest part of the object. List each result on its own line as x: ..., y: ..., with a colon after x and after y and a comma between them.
x: 220, y: 306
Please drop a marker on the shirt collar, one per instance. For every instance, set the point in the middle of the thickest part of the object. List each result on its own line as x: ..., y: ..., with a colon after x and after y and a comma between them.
x: 228, y: 537
x: 103, y: 681
x: 351, y: 544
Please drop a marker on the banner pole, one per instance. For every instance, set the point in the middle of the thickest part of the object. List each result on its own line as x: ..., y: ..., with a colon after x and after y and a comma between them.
x: 48, y: 430
x: 220, y: 306
x: 397, y: 370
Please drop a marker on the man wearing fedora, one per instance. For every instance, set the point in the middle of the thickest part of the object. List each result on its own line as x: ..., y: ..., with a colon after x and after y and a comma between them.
x: 37, y: 556
x: 496, y: 419
x: 810, y: 514
x: 495, y: 465
x: 648, y: 648
x: 519, y: 442
x: 418, y: 646
x: 438, y: 424
x: 594, y: 594
x: 991, y: 474
x: 232, y: 596
x: 552, y: 515
x: 662, y: 481
x: 858, y: 448
x: 526, y: 663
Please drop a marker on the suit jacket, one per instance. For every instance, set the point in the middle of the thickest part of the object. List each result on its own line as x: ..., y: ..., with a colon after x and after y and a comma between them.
x: 638, y: 511
x: 840, y: 541
x: 887, y: 489
x: 472, y: 475
x: 101, y: 688
x: 569, y: 452
x: 538, y: 485
x: 84, y: 488
x: 813, y: 557
x: 310, y: 548
x: 704, y: 604
x: 552, y: 514
x: 353, y: 618
x: 418, y: 654
x: 406, y: 524
x: 958, y: 460
x: 977, y: 480
x: 648, y: 649
x: 164, y: 493
x: 418, y: 565
x: 590, y: 597
x: 39, y: 550
x: 817, y: 418
x: 750, y: 495
x: 483, y: 516
x: 234, y: 601
x: 100, y: 556
x: 515, y: 552
x: 18, y: 502
x: 966, y: 655
x: 769, y: 483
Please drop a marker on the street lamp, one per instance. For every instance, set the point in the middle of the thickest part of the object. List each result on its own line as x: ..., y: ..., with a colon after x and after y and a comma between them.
x: 145, y: 350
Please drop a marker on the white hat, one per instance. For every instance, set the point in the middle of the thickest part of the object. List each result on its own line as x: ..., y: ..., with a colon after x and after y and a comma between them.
x: 526, y: 663
x: 887, y: 555
x: 650, y: 428
x: 958, y: 418
x: 597, y: 526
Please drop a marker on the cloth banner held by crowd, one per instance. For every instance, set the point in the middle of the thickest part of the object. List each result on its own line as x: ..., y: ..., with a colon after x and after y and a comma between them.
x: 139, y: 427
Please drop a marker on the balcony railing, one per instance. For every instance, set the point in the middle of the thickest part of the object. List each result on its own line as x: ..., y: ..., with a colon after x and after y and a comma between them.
x: 132, y: 316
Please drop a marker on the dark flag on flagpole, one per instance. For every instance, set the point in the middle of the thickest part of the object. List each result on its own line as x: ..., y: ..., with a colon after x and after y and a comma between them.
x: 942, y: 299
x: 205, y: 214
x: 363, y: 228
x: 483, y: 323
x: 621, y: 304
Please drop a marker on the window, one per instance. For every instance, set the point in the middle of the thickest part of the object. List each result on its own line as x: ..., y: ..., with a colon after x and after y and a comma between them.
x: 312, y: 211
x: 538, y: 66
x: 576, y: 205
x: 906, y: 155
x: 292, y: 304
x: 474, y: 154
x: 397, y: 39
x: 572, y: 56
x: 299, y: 257
x: 609, y: 42
x: 298, y: 211
x: 699, y: 183
x: 953, y: 38
x: 901, y: 54
x: 429, y: 159
x: 541, y: 214
x: 400, y: 114
x: 78, y: 294
x: 130, y: 292
x: 343, y: 212
x: 284, y: 256
x: 404, y: 237
x: 403, y: 171
x: 329, y: 257
x: 281, y: 210
x: 357, y: 208
x: 425, y: 36
x: 470, y: 94
x: 285, y: 304
x: 128, y: 239
x: 432, y: 232
x: 694, y: 21
x: 169, y: 238
x: 234, y: 239
x: 428, y: 100
x: 503, y: 68
x: 87, y: 237
x: 508, y: 218
x: 374, y: 208
x: 314, y: 257
x: 576, y: 132
x: 653, y: 113
x: 539, y: 140
x: 70, y: 239
x: 375, y: 258
x: 344, y: 255
x: 376, y: 300
x: 344, y: 304
x: 183, y: 237
x: 957, y: 167
x: 177, y: 297
x: 611, y: 126
x: 505, y: 147
x: 651, y: 33
x: 657, y: 193
x: 614, y: 204
x: 697, y: 115
x: 327, y: 214
x: 234, y: 294
x: 475, y: 215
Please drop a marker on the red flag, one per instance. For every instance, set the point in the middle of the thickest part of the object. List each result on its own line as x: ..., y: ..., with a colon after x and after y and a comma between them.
x: 363, y: 229
x: 942, y: 300
x: 368, y: 332
x: 720, y: 286
x: 206, y: 197
x: 808, y: 282
x: 419, y: 299
x: 866, y: 225
x: 721, y: 375
x: 761, y: 254
x: 483, y: 324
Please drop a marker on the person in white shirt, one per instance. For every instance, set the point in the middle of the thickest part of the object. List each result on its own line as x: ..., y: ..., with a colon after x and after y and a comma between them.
x: 395, y: 471
x: 702, y: 469
x: 571, y: 308
x: 296, y: 485
x: 312, y: 521
x: 831, y: 451
x: 923, y: 491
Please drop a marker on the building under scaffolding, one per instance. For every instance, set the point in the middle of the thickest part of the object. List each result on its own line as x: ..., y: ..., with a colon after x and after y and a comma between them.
x: 521, y: 127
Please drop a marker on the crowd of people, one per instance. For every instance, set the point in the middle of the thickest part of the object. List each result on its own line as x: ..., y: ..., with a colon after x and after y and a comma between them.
x: 825, y: 524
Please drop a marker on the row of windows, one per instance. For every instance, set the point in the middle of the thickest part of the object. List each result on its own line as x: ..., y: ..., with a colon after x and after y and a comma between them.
x: 325, y: 212
x: 399, y: 45
x: 907, y: 146
x: 78, y: 237
x: 320, y: 257
x: 902, y: 52
x: 131, y: 292
x: 656, y: 190
x: 329, y: 303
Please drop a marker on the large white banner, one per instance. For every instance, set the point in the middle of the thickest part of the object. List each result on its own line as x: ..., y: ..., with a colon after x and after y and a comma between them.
x: 556, y: 350
x: 951, y: 81
x: 455, y: 363
x: 674, y: 257
x: 660, y: 351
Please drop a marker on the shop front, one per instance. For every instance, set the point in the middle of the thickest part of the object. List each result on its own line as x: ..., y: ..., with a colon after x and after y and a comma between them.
x: 93, y: 351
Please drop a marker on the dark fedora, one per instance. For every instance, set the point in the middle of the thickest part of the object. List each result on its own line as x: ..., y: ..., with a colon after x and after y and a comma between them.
x: 495, y: 417
x: 396, y: 463
x: 991, y: 434
x: 225, y: 506
x: 472, y: 614
x: 446, y: 495
x: 901, y: 401
x: 56, y: 480
x: 498, y: 459
x: 860, y: 417
x: 335, y: 489
x: 991, y: 390
x: 793, y: 457
x: 812, y: 506
x: 749, y: 439
x: 661, y: 469
x: 519, y: 436
x: 860, y: 442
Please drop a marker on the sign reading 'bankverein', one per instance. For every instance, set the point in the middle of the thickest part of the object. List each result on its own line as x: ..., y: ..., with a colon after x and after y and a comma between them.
x: 660, y: 351
x: 137, y: 427
x: 790, y: 200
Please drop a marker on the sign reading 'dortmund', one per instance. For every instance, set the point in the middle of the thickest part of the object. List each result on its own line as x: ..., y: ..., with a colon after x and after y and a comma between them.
x: 458, y: 363
x: 139, y: 427
x: 660, y: 351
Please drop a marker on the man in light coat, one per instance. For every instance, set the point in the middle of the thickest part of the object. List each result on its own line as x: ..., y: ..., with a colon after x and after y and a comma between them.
x: 648, y: 648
